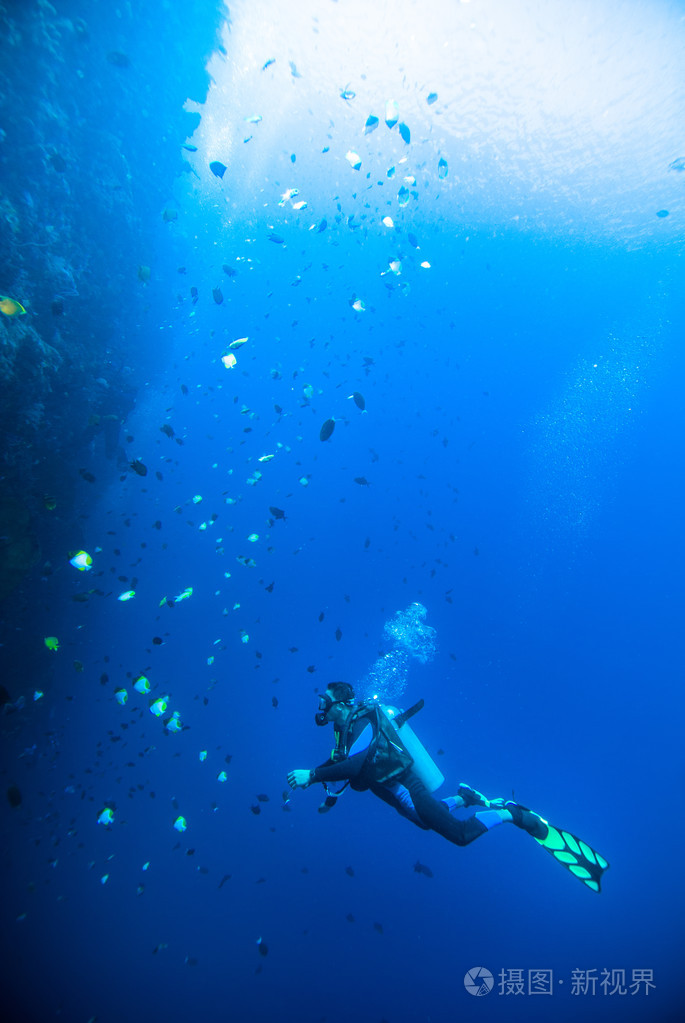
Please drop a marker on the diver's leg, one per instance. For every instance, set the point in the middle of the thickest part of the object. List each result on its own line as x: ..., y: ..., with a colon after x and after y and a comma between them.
x: 398, y: 797
x: 436, y: 815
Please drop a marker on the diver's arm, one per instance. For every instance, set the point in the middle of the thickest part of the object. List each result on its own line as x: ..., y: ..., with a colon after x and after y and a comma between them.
x: 343, y: 770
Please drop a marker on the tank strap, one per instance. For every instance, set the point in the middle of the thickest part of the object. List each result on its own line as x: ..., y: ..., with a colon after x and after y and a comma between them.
x: 409, y: 713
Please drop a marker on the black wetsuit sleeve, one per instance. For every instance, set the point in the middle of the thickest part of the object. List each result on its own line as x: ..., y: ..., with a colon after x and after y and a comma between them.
x: 344, y: 770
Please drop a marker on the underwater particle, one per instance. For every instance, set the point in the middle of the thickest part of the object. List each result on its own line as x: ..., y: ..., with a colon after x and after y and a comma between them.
x: 239, y: 341
x: 13, y: 796
x: 229, y: 360
x: 662, y: 213
x: 118, y: 59
x: 354, y: 159
x: 327, y: 429
x: 203, y: 755
x: 106, y: 816
x: 421, y: 868
x: 269, y: 62
x: 392, y: 113
x: 358, y: 305
x: 253, y: 537
x: 425, y: 265
x: 405, y: 133
x: 10, y: 306
x: 222, y: 776
x: 304, y: 481
x: 244, y: 637
x: 301, y: 205
x: 121, y: 696
x: 38, y: 694
x: 51, y: 642
x: 158, y: 707
x: 49, y: 502
x: 293, y: 69
x: 82, y: 560
x: 431, y: 98
x: 142, y: 685
x: 371, y: 124
x: 181, y: 824
x: 217, y: 296
x: 138, y: 467
x: 144, y: 273
x: 253, y: 119
x: 347, y: 93
x: 126, y: 595
x: 217, y: 168
x: 443, y: 169
x: 390, y: 173
x: 358, y: 399
x: 388, y: 222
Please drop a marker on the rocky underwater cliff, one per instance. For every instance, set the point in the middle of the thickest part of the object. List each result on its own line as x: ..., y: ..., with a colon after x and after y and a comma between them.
x: 91, y: 125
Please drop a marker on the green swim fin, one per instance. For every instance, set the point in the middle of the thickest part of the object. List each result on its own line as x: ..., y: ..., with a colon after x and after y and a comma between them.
x: 584, y: 863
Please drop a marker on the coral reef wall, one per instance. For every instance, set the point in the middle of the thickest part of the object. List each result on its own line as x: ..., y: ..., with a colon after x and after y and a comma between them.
x: 91, y: 123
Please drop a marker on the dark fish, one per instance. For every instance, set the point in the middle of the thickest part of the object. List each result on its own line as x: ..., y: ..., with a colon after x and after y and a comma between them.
x: 349, y: 871
x: 58, y: 162
x: 275, y: 238
x: 293, y: 70
x: 371, y: 124
x: 327, y: 429
x: 293, y: 158
x: 378, y: 927
x: 421, y: 868
x: 256, y: 809
x: 349, y: 918
x: 338, y: 635
x: 87, y: 476
x: 274, y: 702
x: 189, y: 147
x: 224, y: 879
x: 321, y: 617
x: 217, y: 296
x: 194, y: 294
x: 184, y: 389
x: 322, y: 225
x: 229, y: 270
x: 159, y: 476
x: 157, y: 640
x: 359, y: 400
x: 405, y: 133
x: 278, y: 410
x: 413, y: 240
x: 13, y: 796
x: 362, y: 481
x: 138, y: 467
x: 311, y: 668
x: 269, y: 588
x: 662, y: 213
x: 118, y: 59
x: 262, y: 797
x: 217, y: 168
x: 57, y: 307
x: 270, y: 61
x: 168, y: 430
x: 277, y: 513
x: 263, y: 948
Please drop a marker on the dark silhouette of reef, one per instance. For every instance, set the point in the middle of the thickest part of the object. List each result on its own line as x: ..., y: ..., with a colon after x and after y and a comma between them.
x: 91, y: 109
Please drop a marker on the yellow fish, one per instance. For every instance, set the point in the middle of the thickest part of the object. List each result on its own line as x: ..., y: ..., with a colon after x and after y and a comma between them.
x: 10, y: 306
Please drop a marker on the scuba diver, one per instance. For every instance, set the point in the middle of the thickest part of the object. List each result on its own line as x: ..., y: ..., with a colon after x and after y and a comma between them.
x: 376, y: 750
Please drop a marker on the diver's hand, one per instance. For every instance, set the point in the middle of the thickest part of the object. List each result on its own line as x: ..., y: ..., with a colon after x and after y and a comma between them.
x: 299, y: 779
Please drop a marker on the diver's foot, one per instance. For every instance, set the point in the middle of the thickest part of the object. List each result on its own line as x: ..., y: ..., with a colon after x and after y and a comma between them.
x: 471, y: 797
x: 525, y: 819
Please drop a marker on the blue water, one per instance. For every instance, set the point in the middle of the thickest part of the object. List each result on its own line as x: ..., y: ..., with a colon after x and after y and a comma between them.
x: 522, y: 440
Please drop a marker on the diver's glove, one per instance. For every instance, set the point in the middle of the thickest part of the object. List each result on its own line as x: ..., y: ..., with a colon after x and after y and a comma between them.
x: 300, y: 779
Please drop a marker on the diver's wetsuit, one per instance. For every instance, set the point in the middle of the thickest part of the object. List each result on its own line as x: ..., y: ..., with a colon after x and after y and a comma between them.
x: 406, y: 793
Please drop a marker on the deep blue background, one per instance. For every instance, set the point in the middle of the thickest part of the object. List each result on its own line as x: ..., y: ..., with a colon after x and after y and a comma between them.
x: 533, y: 505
